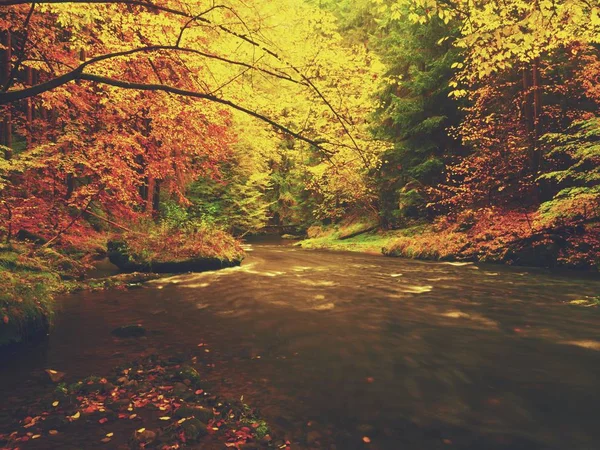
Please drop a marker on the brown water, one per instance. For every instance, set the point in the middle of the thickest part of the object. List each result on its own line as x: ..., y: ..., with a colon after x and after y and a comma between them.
x: 336, y: 346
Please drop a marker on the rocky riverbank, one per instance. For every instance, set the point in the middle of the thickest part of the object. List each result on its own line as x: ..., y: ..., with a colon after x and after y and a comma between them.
x: 152, y: 403
x: 511, y: 240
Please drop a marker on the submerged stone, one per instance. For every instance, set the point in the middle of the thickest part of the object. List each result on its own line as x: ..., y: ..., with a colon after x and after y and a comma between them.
x: 129, y: 331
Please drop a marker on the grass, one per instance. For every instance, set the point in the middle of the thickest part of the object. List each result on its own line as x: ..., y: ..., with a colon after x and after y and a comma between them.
x: 26, y: 294
x: 374, y: 241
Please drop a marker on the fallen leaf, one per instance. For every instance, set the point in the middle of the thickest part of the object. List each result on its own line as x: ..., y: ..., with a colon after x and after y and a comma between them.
x: 103, y: 420
x: 164, y: 418
x: 53, y: 432
x: 110, y: 434
x: 55, y: 404
x: 141, y: 430
x: 105, y: 440
x: 35, y: 436
x: 76, y: 416
x: 366, y: 439
x: 200, y: 391
x: 54, y: 375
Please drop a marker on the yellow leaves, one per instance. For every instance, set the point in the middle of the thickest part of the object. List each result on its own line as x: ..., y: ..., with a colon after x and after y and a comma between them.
x: 459, y: 93
x: 595, y: 17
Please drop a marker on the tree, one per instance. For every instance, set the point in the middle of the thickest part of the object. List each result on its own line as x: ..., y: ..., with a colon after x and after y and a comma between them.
x: 152, y: 87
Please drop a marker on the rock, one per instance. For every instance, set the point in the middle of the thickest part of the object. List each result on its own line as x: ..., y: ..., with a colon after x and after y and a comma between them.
x: 118, y: 254
x: 129, y: 331
x: 203, y: 414
x: 180, y: 389
x: 143, y: 437
x: 291, y: 237
x: 191, y: 374
x: 198, y: 412
x: 194, y: 429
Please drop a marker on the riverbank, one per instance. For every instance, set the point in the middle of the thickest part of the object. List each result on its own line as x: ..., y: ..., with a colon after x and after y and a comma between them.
x: 32, y: 275
x: 159, y: 403
x: 510, y: 238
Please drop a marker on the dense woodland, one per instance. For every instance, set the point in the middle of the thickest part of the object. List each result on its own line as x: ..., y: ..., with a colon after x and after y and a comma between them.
x: 158, y: 134
x: 473, y: 124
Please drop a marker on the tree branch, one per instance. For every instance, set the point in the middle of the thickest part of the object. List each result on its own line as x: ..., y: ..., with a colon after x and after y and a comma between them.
x: 11, y: 96
x: 223, y: 28
x: 173, y: 90
x: 15, y: 69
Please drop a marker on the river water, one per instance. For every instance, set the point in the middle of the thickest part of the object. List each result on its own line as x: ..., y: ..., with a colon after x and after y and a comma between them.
x: 334, y: 347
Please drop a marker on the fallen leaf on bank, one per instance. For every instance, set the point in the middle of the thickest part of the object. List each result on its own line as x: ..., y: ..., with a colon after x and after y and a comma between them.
x: 55, y: 376
x: 110, y: 434
x: 164, y: 418
x: 55, y: 404
x: 35, y: 436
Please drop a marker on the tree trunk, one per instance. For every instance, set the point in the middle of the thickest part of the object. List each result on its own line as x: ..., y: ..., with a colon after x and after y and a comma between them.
x: 156, y: 198
x: 29, y: 127
x: 537, y: 114
x: 7, y: 123
x: 532, y: 112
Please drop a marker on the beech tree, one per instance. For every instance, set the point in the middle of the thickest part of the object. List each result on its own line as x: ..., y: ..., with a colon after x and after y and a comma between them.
x: 125, y: 98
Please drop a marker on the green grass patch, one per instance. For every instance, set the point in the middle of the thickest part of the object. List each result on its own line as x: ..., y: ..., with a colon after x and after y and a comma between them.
x: 27, y: 288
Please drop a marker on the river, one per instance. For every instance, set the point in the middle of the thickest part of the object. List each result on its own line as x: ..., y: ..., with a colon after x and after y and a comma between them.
x: 334, y: 347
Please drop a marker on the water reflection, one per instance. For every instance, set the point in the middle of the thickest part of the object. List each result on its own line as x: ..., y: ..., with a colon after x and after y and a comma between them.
x: 411, y: 354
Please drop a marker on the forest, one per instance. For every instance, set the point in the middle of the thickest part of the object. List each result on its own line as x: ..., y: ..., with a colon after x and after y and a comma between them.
x: 163, y: 133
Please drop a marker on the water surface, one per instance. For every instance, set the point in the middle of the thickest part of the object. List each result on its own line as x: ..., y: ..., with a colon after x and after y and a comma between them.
x: 333, y: 347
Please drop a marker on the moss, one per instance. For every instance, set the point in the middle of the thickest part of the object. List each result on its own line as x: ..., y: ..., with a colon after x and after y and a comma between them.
x: 167, y: 250
x: 26, y: 295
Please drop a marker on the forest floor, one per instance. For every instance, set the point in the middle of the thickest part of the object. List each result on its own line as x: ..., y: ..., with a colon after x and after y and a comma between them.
x: 153, y: 402
x: 507, y: 238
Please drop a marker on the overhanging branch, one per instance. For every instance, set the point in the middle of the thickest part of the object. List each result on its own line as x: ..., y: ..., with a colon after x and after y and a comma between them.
x: 213, y: 98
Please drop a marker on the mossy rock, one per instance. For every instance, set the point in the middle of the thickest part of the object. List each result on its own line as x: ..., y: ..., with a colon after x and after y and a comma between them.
x: 119, y: 255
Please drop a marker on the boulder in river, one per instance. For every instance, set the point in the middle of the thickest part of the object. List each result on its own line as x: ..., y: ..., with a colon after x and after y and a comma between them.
x: 120, y: 255
x: 129, y: 331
